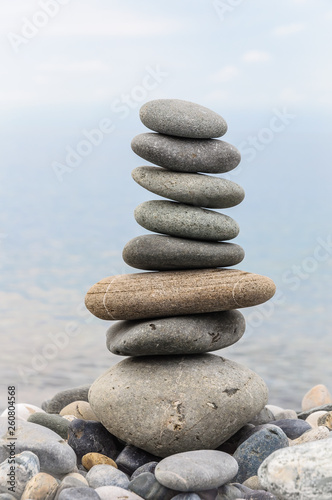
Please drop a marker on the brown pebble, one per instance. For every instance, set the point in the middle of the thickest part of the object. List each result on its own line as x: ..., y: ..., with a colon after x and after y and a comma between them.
x: 325, y: 420
x: 317, y: 396
x: 174, y: 293
x: 42, y: 486
x: 91, y: 459
x: 80, y: 409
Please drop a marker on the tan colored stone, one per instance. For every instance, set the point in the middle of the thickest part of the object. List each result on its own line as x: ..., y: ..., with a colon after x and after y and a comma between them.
x: 80, y: 409
x: 313, y: 418
x: 91, y: 459
x: 325, y: 420
x: 317, y: 396
x: 313, y: 435
x: 42, y: 486
x: 253, y: 483
x: 78, y: 476
x: 174, y: 293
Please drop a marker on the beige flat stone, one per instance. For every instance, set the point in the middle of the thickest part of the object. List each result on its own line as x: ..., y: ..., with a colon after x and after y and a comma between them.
x: 317, y: 396
x: 80, y: 409
x: 313, y: 418
x: 175, y: 293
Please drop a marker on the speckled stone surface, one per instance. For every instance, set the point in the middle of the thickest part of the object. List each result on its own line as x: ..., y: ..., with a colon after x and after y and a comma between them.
x: 176, y: 293
x: 192, y: 334
x: 182, y: 119
x: 196, y: 470
x: 194, y: 189
x: 198, y: 401
x: 185, y: 221
x: 187, y: 155
x: 26, y: 466
x: 159, y: 252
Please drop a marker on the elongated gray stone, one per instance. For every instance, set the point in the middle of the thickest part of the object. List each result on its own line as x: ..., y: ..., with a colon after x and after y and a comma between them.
x: 157, y: 252
x: 182, y: 119
x: 187, y: 155
x: 193, y: 334
x: 177, y: 403
x: 194, y: 189
x: 196, y: 470
x: 185, y: 221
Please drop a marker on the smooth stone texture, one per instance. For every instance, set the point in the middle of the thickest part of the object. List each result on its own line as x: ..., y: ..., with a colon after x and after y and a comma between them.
x: 301, y: 472
x: 326, y: 420
x: 176, y: 335
x: 253, y: 483
x: 285, y: 414
x: 23, y: 411
x: 252, y: 452
x: 182, y: 119
x: 155, y: 252
x: 229, y: 492
x: 274, y: 409
x: 80, y: 409
x: 147, y: 486
x: 149, y: 467
x: 187, y: 496
x: 87, y: 436
x: 91, y: 459
x: 176, y: 293
x: 304, y: 414
x: 42, y: 486
x: 68, y: 483
x: 106, y: 475
x: 187, y: 155
x: 313, y: 435
x: 263, y: 417
x: 64, y: 398
x: 131, y: 458
x: 292, y: 428
x: 54, y: 454
x: 26, y: 466
x: 116, y: 493
x: 313, y: 418
x: 79, y: 476
x: 234, y: 441
x: 317, y: 396
x: 177, y: 404
x: 51, y: 421
x: 185, y: 221
x: 79, y: 494
x: 196, y: 470
x: 6, y: 496
x: 193, y: 189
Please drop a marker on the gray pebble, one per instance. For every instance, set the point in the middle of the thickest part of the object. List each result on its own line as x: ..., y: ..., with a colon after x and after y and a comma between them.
x: 293, y: 428
x: 229, y: 492
x: 147, y: 486
x: 7, y: 496
x: 64, y: 398
x: 14, y: 477
x: 185, y: 221
x: 193, y: 189
x: 149, y: 467
x: 305, y: 414
x: 116, y: 493
x: 187, y: 155
x: 182, y: 119
x: 263, y: 417
x: 67, y: 483
x: 153, y: 252
x: 54, y: 422
x: 192, y: 334
x: 196, y: 470
x: 79, y: 494
x: 187, y: 496
x: 106, y: 475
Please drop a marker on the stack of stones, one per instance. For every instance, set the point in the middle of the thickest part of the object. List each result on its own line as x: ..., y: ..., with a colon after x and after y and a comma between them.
x: 169, y: 395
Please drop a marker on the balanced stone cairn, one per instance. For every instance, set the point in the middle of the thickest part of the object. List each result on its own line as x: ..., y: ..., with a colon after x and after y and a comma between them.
x: 170, y: 396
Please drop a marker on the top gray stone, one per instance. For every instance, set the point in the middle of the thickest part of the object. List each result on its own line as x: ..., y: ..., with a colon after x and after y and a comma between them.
x: 187, y: 155
x: 182, y: 119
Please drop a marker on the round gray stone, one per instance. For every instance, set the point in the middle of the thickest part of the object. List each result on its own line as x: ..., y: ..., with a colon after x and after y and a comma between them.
x: 187, y: 155
x: 190, y: 334
x: 106, y: 475
x: 116, y: 493
x: 162, y: 253
x: 64, y: 398
x: 196, y: 470
x: 79, y: 494
x: 194, y: 189
x: 302, y: 472
x: 182, y: 119
x: 176, y: 403
x: 185, y: 221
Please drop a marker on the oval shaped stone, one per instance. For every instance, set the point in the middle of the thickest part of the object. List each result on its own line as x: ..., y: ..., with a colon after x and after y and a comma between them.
x: 185, y: 221
x: 91, y: 459
x: 194, y: 189
x: 106, y: 475
x: 158, y: 252
x: 182, y: 119
x: 187, y: 155
x: 176, y: 293
x: 54, y: 422
x: 196, y: 470
x: 175, y: 404
x: 80, y: 409
x: 116, y: 493
x: 193, y: 334
x: 42, y: 486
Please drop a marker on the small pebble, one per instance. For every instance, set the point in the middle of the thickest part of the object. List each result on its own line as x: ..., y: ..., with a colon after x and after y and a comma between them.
x: 286, y: 415
x: 275, y: 409
x: 293, y: 428
x: 51, y: 421
x: 42, y: 486
x: 229, y: 492
x: 147, y: 486
x: 326, y: 420
x: 91, y: 459
x: 149, y: 467
x: 131, y: 458
x: 14, y: 478
x: 69, y: 482
x: 79, y: 494
x: 106, y: 475
x: 187, y: 496
x: 263, y: 417
x: 80, y: 409
x: 313, y: 418
x: 116, y: 493
x: 78, y: 476
x: 304, y: 414
x: 64, y: 398
x: 23, y: 411
x: 317, y: 396
x: 313, y: 435
x: 253, y: 483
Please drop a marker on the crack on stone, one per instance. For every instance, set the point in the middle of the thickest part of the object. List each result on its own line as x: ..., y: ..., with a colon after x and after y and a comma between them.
x: 215, y: 336
x: 152, y: 326
x: 231, y: 392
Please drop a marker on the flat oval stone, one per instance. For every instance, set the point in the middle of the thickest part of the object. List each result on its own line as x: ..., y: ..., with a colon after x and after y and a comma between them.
x: 193, y: 189
x: 193, y: 334
x: 106, y: 475
x: 42, y: 486
x: 64, y: 398
x: 147, y: 487
x: 80, y: 409
x: 182, y: 119
x: 116, y: 493
x: 176, y: 404
x: 158, y: 252
x: 187, y: 155
x: 54, y: 422
x: 91, y: 459
x: 79, y: 494
x: 300, y: 472
x: 185, y: 221
x: 317, y: 396
x: 293, y: 428
x: 176, y: 293
x: 196, y: 470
